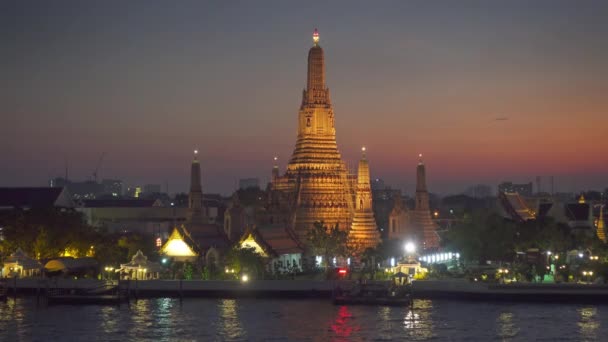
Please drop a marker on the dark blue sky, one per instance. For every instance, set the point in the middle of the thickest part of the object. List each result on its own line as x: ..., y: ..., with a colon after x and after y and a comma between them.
x: 147, y: 82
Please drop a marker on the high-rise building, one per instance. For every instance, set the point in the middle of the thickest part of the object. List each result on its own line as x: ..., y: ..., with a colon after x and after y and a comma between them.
x: 112, y: 187
x: 525, y: 189
x: 152, y: 189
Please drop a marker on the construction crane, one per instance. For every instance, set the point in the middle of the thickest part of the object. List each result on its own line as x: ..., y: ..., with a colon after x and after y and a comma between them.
x: 98, y: 166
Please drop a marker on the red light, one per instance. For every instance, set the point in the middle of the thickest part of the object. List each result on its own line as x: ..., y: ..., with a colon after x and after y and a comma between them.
x: 342, y: 271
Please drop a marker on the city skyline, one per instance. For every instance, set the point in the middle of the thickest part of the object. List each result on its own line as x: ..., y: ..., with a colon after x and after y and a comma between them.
x: 152, y: 83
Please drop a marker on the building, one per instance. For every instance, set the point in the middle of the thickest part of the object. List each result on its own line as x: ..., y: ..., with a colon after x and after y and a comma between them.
x: 525, y: 189
x: 420, y: 217
x: 479, y: 191
x: 79, y: 190
x: 247, y: 183
x: 142, y: 216
x: 180, y: 246
x: 208, y: 238
x: 152, y: 189
x: 399, y: 226
x: 316, y: 186
x: 28, y: 198
x: 112, y: 187
x: 278, y: 245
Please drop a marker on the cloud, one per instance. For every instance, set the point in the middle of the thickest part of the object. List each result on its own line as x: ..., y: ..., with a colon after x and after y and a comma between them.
x: 501, y: 118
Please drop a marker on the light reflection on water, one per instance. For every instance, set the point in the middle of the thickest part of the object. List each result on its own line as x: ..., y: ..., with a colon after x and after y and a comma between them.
x: 230, y: 327
x: 588, y: 323
x: 166, y: 319
x: 418, y: 322
x: 506, y: 327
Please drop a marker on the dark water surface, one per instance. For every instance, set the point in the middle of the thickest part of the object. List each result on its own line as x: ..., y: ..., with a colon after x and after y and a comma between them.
x: 300, y: 320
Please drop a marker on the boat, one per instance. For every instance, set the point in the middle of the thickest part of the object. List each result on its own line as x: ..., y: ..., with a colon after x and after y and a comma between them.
x: 374, y: 294
x: 106, y: 294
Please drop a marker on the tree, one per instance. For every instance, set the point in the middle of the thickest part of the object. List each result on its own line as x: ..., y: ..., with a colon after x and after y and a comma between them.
x: 245, y: 260
x: 327, y: 242
x: 483, y: 236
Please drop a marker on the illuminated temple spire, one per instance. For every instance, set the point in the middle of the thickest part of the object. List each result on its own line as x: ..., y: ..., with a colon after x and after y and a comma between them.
x: 421, y: 215
x: 364, y: 231
x: 601, y: 229
x: 195, y: 197
x: 316, y: 183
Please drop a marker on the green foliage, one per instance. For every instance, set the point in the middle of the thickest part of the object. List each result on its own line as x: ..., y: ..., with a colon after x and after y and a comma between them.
x: 245, y: 260
x: 483, y: 236
x: 45, y: 233
x: 327, y: 242
x: 188, y: 271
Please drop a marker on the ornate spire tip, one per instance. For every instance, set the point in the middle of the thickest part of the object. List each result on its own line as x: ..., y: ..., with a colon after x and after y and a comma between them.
x: 315, y: 36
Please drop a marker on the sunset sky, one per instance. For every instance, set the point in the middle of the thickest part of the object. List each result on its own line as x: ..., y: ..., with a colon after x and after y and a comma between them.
x: 487, y: 91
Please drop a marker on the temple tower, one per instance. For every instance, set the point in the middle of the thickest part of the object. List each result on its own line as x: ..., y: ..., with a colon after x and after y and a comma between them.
x: 601, y: 229
x: 364, y: 231
x: 421, y: 215
x: 316, y: 182
x: 196, y: 212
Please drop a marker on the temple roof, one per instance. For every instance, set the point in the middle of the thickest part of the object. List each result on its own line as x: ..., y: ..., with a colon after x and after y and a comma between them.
x: 20, y: 258
x: 275, y: 240
x: 139, y: 260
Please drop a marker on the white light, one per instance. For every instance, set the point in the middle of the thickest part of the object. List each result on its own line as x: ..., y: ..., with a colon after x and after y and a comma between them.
x: 392, y: 262
x: 348, y: 261
x: 548, y: 252
x: 580, y: 255
x: 319, y: 260
x: 245, y: 278
x: 410, y: 247
x: 334, y: 261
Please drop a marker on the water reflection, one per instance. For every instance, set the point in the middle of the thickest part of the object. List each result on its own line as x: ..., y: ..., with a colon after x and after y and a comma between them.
x: 13, y: 318
x: 588, y: 323
x: 343, y: 327
x: 108, y: 321
x: 506, y: 327
x: 230, y: 327
x: 418, y: 323
x: 385, y: 323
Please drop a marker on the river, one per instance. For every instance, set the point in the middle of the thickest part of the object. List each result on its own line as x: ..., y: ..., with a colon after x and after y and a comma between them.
x: 165, y: 319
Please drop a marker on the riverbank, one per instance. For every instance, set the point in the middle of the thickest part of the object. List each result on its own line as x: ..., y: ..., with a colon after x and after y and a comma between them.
x: 514, y: 292
x: 428, y: 289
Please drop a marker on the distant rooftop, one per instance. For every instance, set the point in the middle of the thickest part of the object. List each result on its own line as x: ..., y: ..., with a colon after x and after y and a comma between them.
x: 35, y: 197
x: 120, y: 203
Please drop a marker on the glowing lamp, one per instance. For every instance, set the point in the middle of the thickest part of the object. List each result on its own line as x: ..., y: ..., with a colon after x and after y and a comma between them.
x: 315, y: 36
x: 245, y: 278
x: 410, y: 247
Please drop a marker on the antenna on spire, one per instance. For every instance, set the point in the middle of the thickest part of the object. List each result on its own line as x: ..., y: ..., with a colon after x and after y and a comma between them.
x: 315, y: 36
x: 420, y: 159
x: 363, y: 149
